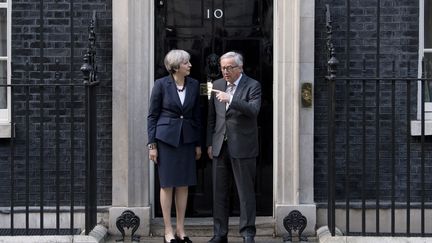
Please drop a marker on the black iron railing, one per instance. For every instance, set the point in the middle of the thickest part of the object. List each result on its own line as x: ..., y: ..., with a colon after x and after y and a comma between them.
x: 52, y: 148
x: 89, y: 70
x: 375, y: 164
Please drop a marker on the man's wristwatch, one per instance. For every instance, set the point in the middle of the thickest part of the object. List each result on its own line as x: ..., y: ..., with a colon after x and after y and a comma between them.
x: 151, y: 146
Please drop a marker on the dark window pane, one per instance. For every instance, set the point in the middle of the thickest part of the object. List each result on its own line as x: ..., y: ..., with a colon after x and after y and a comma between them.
x: 428, y: 74
x: 428, y: 24
x: 3, y: 32
x: 3, y: 80
x: 241, y: 13
x: 184, y: 13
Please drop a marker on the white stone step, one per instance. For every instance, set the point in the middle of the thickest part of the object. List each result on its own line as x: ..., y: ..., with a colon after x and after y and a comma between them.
x: 204, y: 226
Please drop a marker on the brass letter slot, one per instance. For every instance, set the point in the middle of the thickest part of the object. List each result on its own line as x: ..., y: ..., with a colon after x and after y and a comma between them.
x: 306, y: 94
x: 205, y: 89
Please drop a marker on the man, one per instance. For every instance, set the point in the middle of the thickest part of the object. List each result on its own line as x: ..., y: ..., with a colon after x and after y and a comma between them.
x: 232, y: 140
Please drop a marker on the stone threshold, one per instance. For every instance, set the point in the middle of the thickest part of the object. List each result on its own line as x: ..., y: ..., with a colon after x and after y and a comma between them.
x: 204, y: 226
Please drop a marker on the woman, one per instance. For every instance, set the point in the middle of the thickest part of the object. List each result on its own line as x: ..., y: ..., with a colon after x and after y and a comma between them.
x: 173, y: 138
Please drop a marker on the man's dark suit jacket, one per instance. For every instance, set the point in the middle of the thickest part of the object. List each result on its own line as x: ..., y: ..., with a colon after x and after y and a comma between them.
x: 239, y: 122
x: 169, y: 120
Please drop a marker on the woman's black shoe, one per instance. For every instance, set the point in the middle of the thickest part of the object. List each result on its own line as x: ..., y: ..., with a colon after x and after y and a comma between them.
x: 171, y: 241
x: 184, y: 240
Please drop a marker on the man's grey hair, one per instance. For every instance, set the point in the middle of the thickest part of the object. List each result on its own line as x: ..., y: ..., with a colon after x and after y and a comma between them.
x: 174, y: 58
x: 238, y: 58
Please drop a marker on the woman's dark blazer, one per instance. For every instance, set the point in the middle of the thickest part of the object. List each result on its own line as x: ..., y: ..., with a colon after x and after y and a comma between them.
x: 168, y: 120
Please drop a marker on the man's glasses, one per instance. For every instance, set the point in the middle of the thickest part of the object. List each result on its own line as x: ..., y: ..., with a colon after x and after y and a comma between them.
x: 229, y: 68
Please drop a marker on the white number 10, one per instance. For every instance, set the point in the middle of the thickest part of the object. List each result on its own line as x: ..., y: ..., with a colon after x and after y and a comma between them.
x: 218, y: 13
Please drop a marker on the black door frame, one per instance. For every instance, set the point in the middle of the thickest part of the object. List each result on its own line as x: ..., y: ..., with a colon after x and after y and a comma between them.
x: 153, y: 177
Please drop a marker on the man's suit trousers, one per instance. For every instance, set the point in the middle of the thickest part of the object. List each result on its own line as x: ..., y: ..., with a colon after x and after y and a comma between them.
x: 243, y: 171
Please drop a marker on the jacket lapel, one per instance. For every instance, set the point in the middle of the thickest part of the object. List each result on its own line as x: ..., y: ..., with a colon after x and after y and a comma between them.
x: 189, y: 95
x: 222, y: 85
x: 172, y: 91
x: 240, y: 86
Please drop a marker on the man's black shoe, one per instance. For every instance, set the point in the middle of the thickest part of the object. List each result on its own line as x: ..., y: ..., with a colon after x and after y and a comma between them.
x: 218, y: 239
x: 248, y: 239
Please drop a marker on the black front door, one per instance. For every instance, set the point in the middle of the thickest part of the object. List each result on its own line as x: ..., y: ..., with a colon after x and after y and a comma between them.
x: 207, y: 29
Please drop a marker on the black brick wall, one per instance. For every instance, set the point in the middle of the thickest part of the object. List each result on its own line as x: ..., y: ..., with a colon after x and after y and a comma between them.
x: 57, y: 46
x: 398, y: 43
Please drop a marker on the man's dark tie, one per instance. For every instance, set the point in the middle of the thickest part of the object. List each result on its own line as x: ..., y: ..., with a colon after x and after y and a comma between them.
x: 230, y: 91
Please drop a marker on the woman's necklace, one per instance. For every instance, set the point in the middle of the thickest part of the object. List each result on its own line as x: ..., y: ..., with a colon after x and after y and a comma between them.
x: 182, y: 87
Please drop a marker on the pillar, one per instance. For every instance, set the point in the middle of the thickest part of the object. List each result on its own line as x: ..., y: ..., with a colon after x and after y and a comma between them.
x: 293, y: 124
x: 133, y: 32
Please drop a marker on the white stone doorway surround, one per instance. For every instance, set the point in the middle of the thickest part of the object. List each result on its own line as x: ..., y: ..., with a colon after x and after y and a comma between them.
x: 133, y: 65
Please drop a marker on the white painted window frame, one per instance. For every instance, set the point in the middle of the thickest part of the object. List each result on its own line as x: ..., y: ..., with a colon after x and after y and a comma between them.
x: 5, y: 114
